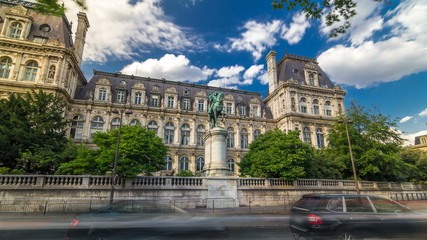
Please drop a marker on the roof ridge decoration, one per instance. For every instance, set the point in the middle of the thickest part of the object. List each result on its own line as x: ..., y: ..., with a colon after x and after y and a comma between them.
x: 20, y: 2
x: 297, y: 57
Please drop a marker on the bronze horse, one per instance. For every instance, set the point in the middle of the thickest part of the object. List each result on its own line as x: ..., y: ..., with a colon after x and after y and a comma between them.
x: 215, y: 108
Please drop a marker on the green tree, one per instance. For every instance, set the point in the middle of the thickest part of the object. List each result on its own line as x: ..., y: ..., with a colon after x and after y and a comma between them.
x: 416, y: 163
x: 32, y: 132
x: 277, y: 155
x: 54, y: 7
x: 334, y: 11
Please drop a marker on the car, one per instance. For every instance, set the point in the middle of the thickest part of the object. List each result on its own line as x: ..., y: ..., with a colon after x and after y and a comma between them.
x: 352, y: 217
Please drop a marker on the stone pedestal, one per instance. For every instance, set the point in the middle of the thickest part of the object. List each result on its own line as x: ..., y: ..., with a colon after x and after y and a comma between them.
x: 216, y: 154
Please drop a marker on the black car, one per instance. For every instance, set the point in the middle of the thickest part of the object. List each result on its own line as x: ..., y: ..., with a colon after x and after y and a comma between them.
x: 349, y: 217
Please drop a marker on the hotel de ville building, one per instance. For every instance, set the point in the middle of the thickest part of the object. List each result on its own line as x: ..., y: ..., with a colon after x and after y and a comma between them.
x: 38, y: 52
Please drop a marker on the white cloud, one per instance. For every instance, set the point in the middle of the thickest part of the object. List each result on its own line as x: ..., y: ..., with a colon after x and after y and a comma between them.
x: 410, y: 138
x: 171, y: 67
x: 234, y: 76
x: 372, y: 62
x: 405, y: 119
x: 423, y: 113
x: 121, y: 30
x: 296, y: 31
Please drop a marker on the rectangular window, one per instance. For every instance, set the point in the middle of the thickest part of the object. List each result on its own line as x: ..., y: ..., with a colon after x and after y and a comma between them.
x: 229, y: 108
x: 316, y: 109
x: 138, y: 98
x: 155, y: 101
x: 186, y: 104
x: 255, y: 111
x: 170, y: 101
x: 102, y: 95
x: 201, y: 106
x: 121, y: 96
x: 242, y: 110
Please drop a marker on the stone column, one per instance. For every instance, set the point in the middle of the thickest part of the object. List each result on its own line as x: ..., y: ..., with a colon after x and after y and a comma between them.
x: 216, y: 153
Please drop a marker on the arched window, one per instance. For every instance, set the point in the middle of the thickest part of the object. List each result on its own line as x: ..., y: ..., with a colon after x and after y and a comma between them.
x: 96, y: 125
x: 320, y: 139
x: 200, y: 163
x: 134, y: 122
x: 244, y: 143
x: 31, y: 71
x: 168, y: 160
x: 306, y: 135
x: 230, y: 163
x: 15, y: 30
x: 185, y: 134
x: 316, y: 106
x: 169, y: 133
x: 5, y: 67
x: 200, y: 135
x: 152, y: 125
x: 328, y: 108
x: 311, y: 79
x: 230, y: 137
x: 77, y: 125
x: 183, y: 163
x: 257, y: 132
x: 303, y: 105
x: 115, y: 123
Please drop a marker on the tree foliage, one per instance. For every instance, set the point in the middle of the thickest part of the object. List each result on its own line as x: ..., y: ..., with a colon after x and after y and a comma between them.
x: 54, y: 7
x: 277, y: 155
x: 334, y: 11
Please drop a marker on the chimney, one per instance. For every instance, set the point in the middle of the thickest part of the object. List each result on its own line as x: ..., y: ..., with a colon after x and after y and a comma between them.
x: 80, y: 40
x: 272, y: 71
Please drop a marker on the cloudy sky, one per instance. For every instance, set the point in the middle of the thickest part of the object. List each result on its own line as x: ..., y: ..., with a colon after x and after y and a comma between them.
x: 381, y: 61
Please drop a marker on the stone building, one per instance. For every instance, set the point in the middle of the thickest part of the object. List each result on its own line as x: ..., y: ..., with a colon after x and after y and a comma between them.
x: 420, y: 143
x: 37, y: 52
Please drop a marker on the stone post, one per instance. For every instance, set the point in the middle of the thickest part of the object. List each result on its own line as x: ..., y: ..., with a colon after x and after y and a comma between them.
x: 216, y: 153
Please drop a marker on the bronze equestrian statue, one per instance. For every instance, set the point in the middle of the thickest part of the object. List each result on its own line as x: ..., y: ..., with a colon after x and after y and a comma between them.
x: 215, y: 108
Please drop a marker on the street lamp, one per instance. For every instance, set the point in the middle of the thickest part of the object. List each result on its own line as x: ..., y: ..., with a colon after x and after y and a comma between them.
x: 116, y: 157
x: 347, y: 121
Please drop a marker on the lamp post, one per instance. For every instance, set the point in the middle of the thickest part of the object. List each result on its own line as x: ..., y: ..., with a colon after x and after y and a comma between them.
x: 347, y: 121
x: 116, y: 156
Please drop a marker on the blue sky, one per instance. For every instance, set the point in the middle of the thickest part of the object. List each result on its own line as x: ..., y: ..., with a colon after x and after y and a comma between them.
x: 381, y: 61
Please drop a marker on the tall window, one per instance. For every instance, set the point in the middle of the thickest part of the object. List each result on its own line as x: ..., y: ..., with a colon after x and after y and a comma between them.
x: 152, y: 125
x: 244, y: 143
x: 31, y: 71
x: 96, y: 125
x: 77, y: 125
x: 121, y: 95
x: 200, y: 163
x: 311, y: 78
x: 183, y: 163
x: 255, y: 111
x: 230, y: 163
x: 115, y: 123
x: 229, y: 108
x: 320, y: 139
x: 102, y: 94
x: 186, y: 104
x: 303, y: 105
x: 5, y: 67
x: 155, y: 100
x: 242, y: 110
x: 15, y: 30
x: 339, y: 109
x: 230, y: 138
x: 316, y: 106
x: 200, y: 135
x: 306, y: 135
x: 168, y: 165
x: 171, y: 101
x: 138, y: 98
x: 169, y: 133
x: 134, y: 122
x: 201, y: 106
x: 257, y: 132
x: 328, y: 108
x: 185, y: 134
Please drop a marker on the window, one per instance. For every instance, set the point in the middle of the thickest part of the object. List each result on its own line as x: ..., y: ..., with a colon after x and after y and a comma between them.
x: 423, y: 141
x: 200, y: 135
x: 316, y: 106
x: 311, y: 79
x: 45, y: 28
x: 155, y: 100
x: 115, y: 123
x: 230, y: 163
x: 201, y: 106
x: 185, y: 134
x: 328, y: 108
x: 200, y: 163
x: 96, y: 125
x: 335, y: 204
x: 229, y: 108
x: 306, y: 135
x: 31, y: 71
x: 386, y: 206
x: 121, y: 95
x: 257, y: 132
x: 138, y: 98
x: 242, y: 110
x: 339, y: 109
x: 244, y: 138
x: 303, y: 105
x: 134, y: 122
x: 152, y: 125
x: 255, y: 111
x: 5, y: 67
x: 230, y: 138
x: 77, y: 125
x: 186, y: 104
x: 168, y: 165
x: 358, y: 204
x: 15, y: 30
x: 320, y: 138
x: 169, y: 133
x: 183, y: 164
x: 102, y: 94
x: 171, y: 102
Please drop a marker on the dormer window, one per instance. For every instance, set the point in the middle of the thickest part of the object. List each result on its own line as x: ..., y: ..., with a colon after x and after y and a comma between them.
x: 242, y: 110
x: 155, y: 100
x: 102, y: 94
x: 15, y: 30
x: 186, y: 104
x: 311, y: 79
x: 171, y: 102
x: 138, y: 98
x: 121, y: 95
x: 45, y: 28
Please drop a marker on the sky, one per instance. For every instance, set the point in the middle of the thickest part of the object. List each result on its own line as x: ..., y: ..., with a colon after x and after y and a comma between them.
x: 380, y: 62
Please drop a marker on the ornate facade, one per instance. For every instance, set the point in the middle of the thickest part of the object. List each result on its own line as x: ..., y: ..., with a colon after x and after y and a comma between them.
x: 37, y: 52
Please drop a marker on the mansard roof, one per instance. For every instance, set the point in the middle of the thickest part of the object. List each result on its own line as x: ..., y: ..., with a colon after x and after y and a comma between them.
x: 60, y: 33
x: 291, y: 68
